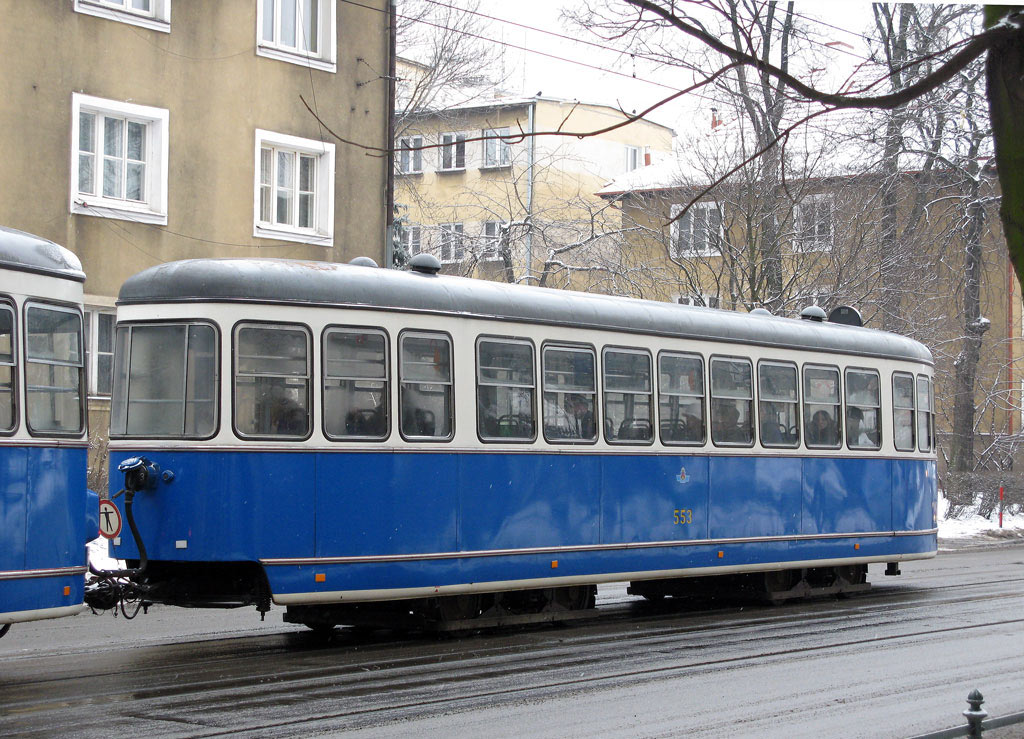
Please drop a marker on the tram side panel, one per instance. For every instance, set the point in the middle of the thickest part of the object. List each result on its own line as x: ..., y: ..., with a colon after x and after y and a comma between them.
x: 915, y: 494
x: 843, y: 495
x: 755, y: 496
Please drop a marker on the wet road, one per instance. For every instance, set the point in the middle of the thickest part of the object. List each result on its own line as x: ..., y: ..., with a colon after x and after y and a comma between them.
x: 894, y: 662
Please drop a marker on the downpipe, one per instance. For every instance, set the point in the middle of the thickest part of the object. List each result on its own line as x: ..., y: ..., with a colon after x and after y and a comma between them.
x: 126, y: 589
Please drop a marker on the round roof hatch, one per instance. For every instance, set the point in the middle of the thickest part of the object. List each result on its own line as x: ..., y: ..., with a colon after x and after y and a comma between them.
x: 363, y: 262
x: 813, y: 313
x: 760, y: 312
x: 425, y: 263
x: 846, y: 315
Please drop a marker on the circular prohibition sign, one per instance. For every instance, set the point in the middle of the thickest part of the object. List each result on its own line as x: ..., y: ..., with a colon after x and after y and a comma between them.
x: 110, y: 519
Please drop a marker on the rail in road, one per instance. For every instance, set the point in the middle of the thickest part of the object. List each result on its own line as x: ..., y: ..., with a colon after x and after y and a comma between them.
x: 894, y: 662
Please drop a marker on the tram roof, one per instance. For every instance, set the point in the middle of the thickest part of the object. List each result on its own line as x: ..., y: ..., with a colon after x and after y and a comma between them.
x: 27, y: 253
x: 283, y: 281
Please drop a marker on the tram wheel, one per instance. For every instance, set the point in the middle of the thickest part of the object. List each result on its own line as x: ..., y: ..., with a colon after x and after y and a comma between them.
x: 576, y: 598
x: 458, y: 607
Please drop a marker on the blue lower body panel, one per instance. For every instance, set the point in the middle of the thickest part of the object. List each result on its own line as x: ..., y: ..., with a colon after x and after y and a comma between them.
x: 350, y: 525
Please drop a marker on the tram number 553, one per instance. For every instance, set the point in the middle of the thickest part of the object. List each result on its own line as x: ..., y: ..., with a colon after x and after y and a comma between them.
x: 682, y: 516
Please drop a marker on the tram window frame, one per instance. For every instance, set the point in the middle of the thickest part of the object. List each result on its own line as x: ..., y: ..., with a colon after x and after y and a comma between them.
x: 80, y: 365
x: 449, y: 401
x: 385, y: 379
x: 482, y: 383
x: 751, y: 418
x: 9, y: 308
x: 928, y: 414
x: 308, y: 377
x: 850, y: 404
x: 912, y: 408
x: 617, y: 440
x: 808, y: 415
x: 762, y: 401
x: 120, y: 396
x: 701, y: 400
x: 587, y: 349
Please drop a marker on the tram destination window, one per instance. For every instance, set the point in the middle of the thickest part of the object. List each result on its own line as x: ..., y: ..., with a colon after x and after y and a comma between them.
x: 426, y: 386
x: 821, y: 408
x: 355, y: 384
x: 54, y: 370
x: 8, y: 415
x: 627, y: 396
x: 505, y: 390
x: 681, y: 398
x: 272, y: 378
x: 863, y: 410
x: 925, y: 415
x: 778, y: 404
x: 903, y: 411
x: 732, y: 402
x: 165, y: 381
x: 570, y: 394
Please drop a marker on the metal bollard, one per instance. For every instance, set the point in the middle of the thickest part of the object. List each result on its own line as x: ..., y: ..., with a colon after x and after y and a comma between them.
x: 975, y: 714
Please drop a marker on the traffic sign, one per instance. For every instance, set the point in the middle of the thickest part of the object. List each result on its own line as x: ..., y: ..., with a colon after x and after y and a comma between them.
x: 110, y: 519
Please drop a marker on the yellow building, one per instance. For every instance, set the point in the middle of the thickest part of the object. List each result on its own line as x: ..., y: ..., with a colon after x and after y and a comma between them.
x: 135, y: 132
x: 492, y: 187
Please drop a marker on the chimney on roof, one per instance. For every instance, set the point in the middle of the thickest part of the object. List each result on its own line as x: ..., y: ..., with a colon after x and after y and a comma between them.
x: 715, y: 120
x: 647, y: 156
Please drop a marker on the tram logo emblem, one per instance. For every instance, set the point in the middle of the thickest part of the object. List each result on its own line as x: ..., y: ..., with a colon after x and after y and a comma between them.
x: 110, y: 519
x: 681, y: 477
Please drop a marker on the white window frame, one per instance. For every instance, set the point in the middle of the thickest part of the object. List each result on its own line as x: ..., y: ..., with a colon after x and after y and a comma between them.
x: 457, y: 232
x: 153, y: 210
x: 324, y: 59
x: 410, y: 155
x: 411, y: 238
x: 489, y: 241
x: 815, y: 243
x: 322, y: 234
x: 676, y: 231
x: 703, y: 300
x: 634, y: 157
x: 451, y: 140
x: 497, y: 152
x: 92, y: 332
x: 157, y: 18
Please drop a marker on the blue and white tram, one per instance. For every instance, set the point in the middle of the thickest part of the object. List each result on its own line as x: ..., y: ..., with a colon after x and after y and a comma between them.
x: 329, y: 436
x: 45, y: 522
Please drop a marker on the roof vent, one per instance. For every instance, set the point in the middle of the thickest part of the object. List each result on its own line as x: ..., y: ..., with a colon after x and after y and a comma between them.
x: 425, y: 263
x: 363, y: 262
x: 813, y: 313
x: 760, y: 312
x: 846, y: 315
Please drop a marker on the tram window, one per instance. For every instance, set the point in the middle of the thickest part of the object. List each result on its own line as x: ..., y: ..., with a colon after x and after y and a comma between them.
x: 778, y: 404
x: 570, y: 392
x: 821, y: 407
x: 903, y: 411
x: 355, y: 383
x: 505, y: 390
x: 165, y: 381
x: 272, y: 381
x: 426, y: 386
x: 7, y: 369
x: 627, y: 396
x: 863, y: 410
x: 53, y: 370
x: 925, y: 415
x: 681, y: 398
x: 732, y: 402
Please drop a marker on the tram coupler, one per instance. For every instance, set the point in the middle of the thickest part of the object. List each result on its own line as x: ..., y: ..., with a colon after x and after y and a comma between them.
x: 892, y: 568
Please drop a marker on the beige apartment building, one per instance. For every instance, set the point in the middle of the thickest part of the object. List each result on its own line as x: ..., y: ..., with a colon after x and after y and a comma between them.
x: 494, y: 188
x: 136, y: 132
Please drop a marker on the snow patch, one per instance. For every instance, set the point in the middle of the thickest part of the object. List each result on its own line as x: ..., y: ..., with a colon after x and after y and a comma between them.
x: 972, y: 526
x: 99, y: 555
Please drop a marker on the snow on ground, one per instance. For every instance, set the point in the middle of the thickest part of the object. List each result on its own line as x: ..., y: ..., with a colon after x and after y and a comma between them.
x: 100, y: 558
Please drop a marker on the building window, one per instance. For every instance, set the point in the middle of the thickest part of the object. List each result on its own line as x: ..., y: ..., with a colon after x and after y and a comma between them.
x: 634, y: 158
x: 410, y: 239
x: 297, y: 31
x: 119, y: 160
x: 453, y: 151
x: 814, y: 224
x: 698, y: 232
x: 452, y: 242
x: 152, y: 14
x: 410, y: 155
x: 497, y: 150
x: 99, y: 350
x: 490, y: 241
x: 294, y: 189
x: 703, y: 300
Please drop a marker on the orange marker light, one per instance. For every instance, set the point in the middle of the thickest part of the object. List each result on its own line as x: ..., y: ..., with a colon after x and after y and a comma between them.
x: 320, y: 577
x: 67, y: 590
x: 554, y: 564
x: 721, y: 555
x: 856, y: 546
